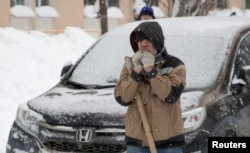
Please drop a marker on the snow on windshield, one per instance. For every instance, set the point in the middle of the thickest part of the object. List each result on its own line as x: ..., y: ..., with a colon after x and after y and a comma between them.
x: 103, y: 63
x: 203, y: 57
x: 201, y: 43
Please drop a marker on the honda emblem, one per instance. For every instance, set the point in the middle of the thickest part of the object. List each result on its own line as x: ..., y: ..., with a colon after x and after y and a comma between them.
x: 84, y: 135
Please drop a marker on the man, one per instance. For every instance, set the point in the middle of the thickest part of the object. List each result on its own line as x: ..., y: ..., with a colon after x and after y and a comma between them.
x: 146, y: 13
x: 160, y: 79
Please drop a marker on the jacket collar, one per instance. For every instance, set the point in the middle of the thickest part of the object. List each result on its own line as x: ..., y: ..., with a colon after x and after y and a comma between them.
x: 163, y: 54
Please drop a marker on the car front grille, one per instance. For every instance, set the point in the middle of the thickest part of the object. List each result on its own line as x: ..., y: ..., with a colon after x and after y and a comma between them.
x: 86, y: 148
x: 64, y: 139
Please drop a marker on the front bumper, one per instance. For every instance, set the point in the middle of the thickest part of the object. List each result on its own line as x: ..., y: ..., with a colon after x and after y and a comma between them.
x: 54, y: 140
x: 61, y: 139
x: 19, y: 141
x: 196, y: 141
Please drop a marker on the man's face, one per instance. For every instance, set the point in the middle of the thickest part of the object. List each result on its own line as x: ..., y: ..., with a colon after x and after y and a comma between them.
x: 146, y: 45
x: 146, y: 17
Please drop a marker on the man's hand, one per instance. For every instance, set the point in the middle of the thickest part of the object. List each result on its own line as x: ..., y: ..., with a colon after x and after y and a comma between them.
x: 129, y: 64
x: 136, y: 59
x: 147, y: 61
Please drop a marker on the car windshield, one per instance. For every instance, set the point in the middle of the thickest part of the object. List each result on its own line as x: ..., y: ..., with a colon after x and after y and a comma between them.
x: 203, y: 57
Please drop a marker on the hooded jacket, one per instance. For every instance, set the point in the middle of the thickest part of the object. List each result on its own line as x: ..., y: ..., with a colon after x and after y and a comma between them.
x: 160, y: 94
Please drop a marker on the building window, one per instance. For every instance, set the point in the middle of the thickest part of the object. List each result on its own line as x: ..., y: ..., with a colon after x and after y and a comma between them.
x: 154, y: 2
x: 221, y: 4
x: 151, y: 2
x: 109, y: 3
x: 17, y: 2
x: 248, y: 4
x: 43, y: 3
x: 20, y: 2
x: 112, y: 3
x: 89, y: 2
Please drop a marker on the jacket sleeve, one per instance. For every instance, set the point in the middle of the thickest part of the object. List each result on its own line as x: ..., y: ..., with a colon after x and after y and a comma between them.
x: 169, y: 87
x: 126, y: 88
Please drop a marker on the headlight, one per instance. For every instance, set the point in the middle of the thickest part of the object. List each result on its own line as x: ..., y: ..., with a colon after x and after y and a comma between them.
x: 193, y: 119
x: 28, y: 120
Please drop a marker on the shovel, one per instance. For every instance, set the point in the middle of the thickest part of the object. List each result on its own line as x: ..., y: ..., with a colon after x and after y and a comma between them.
x: 149, y: 136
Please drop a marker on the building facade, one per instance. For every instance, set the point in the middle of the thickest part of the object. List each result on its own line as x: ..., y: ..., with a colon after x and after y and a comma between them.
x: 56, y: 15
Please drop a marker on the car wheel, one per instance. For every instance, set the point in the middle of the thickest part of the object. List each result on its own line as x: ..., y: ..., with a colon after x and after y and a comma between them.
x: 226, y: 128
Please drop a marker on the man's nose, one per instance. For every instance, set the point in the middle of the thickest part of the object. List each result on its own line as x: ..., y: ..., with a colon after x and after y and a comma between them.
x: 144, y: 42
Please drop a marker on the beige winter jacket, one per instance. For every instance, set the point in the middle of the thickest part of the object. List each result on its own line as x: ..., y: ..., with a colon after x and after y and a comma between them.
x: 161, y: 99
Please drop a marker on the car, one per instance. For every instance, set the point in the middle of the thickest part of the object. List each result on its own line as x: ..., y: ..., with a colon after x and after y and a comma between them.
x: 80, y: 114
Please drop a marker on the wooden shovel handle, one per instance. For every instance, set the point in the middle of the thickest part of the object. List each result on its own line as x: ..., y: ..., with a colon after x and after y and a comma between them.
x: 144, y: 119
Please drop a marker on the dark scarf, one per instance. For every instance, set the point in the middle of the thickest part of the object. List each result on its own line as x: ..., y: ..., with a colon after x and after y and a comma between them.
x: 163, y: 54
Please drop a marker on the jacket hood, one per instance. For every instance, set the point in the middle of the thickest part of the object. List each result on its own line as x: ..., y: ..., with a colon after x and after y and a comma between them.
x: 152, y: 30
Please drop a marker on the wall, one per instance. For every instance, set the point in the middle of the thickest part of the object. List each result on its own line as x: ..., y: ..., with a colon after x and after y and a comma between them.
x: 5, y: 13
x: 71, y: 14
x: 236, y: 3
x: 126, y: 7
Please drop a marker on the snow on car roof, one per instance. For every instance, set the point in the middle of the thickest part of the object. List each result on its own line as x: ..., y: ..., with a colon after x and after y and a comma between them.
x: 205, y: 26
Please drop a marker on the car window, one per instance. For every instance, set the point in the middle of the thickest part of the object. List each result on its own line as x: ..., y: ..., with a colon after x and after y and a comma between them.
x: 242, y: 58
x: 243, y: 54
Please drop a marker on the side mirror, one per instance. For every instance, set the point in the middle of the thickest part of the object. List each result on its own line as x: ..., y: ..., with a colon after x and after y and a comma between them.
x: 244, y: 74
x: 241, y: 82
x: 246, y: 70
x: 66, y: 68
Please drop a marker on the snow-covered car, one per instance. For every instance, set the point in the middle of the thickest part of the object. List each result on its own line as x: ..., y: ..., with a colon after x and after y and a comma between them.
x: 80, y: 114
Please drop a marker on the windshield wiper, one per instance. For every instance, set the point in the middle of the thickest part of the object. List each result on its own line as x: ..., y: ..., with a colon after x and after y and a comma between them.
x: 85, y: 86
x: 102, y: 87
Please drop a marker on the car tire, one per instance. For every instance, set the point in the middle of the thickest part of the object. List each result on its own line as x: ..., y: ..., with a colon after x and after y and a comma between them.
x: 226, y: 128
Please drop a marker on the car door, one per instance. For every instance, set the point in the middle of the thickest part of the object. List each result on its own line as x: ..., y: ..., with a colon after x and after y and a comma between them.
x: 232, y: 112
x: 239, y: 87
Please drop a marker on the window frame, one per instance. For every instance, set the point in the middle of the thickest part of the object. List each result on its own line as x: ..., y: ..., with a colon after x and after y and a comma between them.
x: 40, y: 3
x: 247, y: 4
x: 18, y: 2
x: 109, y: 3
x: 89, y: 2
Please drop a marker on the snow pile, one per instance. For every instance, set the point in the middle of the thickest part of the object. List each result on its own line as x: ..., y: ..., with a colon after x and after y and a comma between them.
x: 31, y: 64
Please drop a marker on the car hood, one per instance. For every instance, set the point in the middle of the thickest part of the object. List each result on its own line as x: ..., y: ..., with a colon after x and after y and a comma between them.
x: 192, y: 99
x: 92, y: 107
